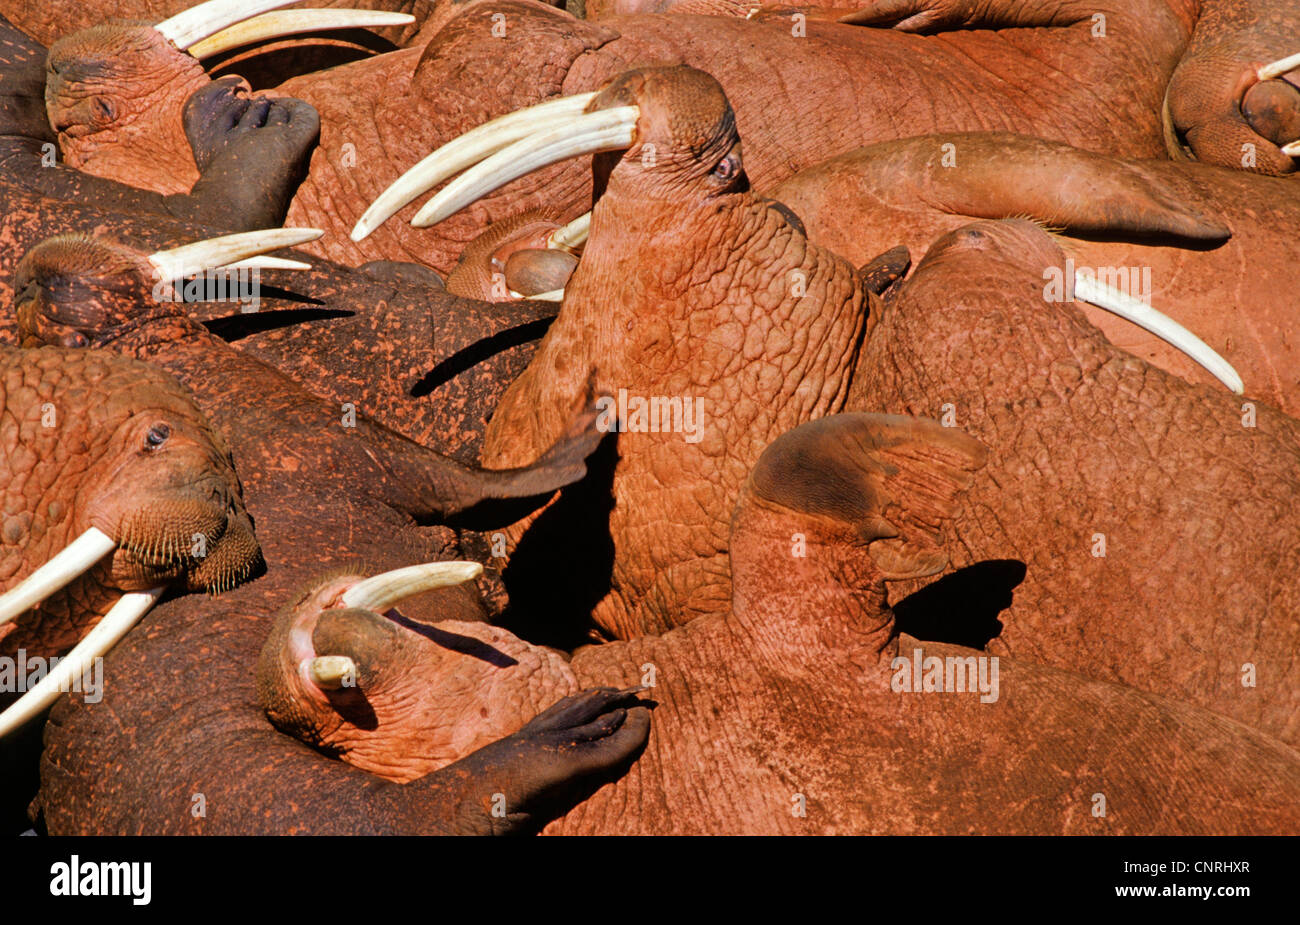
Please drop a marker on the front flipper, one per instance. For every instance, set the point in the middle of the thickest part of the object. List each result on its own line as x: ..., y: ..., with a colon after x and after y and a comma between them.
x: 832, y: 510
x: 942, y: 15
x: 437, y: 486
x: 889, y: 481
x: 553, y: 763
x: 252, y: 154
x: 1008, y: 176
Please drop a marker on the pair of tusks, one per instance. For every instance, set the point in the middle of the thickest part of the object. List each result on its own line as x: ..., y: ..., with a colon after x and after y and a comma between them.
x: 378, y: 594
x: 1277, y: 69
x: 79, y: 557
x: 232, y: 252
x: 220, y: 25
x: 500, y: 151
x: 509, y: 147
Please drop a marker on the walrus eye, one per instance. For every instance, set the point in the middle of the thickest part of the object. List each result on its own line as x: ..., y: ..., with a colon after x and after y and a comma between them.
x: 157, y: 436
x: 727, y: 168
x: 105, y: 111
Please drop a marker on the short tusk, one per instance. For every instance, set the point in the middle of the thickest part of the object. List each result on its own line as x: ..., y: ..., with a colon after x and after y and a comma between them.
x: 603, y: 130
x: 330, y: 672
x: 572, y: 236
x: 123, y: 615
x: 77, y: 558
x: 466, y: 151
x: 293, y: 22
x: 1161, y: 325
x: 1292, y: 149
x: 267, y: 263
x: 181, y: 261
x: 198, y: 22
x: 1279, y: 67
x: 555, y: 295
x: 384, y: 591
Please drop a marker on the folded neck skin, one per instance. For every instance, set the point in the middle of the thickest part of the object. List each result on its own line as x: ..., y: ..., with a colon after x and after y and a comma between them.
x: 691, y: 288
x: 788, y: 691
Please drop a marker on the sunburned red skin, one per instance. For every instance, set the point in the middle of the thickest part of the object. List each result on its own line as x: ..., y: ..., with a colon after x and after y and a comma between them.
x: 97, y: 440
x: 1152, y: 516
x: 180, y: 714
x: 778, y: 713
x: 444, y: 364
x: 78, y: 291
x: 1165, y: 221
x: 420, y: 99
x: 252, y: 160
x: 116, y: 768
x: 686, y: 280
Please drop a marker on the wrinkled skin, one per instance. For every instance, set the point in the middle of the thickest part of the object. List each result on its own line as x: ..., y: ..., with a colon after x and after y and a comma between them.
x: 690, y: 286
x: 251, y: 162
x: 76, y: 290
x: 1164, y: 219
x: 414, y: 100
x: 115, y: 767
x: 96, y: 440
x: 776, y: 715
x: 1153, y: 517
x: 180, y: 715
x: 446, y: 360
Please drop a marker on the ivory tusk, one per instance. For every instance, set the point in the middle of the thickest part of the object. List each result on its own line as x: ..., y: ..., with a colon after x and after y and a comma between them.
x: 604, y: 130
x: 465, y: 151
x: 74, y: 560
x: 293, y: 22
x: 123, y: 615
x: 1161, y: 325
x: 381, y: 592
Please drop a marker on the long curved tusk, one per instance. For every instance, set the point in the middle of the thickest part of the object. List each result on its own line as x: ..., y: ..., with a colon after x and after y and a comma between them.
x: 553, y: 295
x: 1161, y: 325
x: 572, y: 236
x: 1279, y: 67
x: 123, y: 615
x: 465, y: 151
x: 381, y: 592
x: 293, y: 22
x: 267, y: 263
x: 1292, y: 149
x: 603, y: 130
x: 198, y: 22
x: 328, y: 672
x: 74, y: 560
x: 227, y: 249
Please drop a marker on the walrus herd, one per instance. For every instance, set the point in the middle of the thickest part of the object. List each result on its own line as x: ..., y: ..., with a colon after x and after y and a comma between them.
x: 673, y: 417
